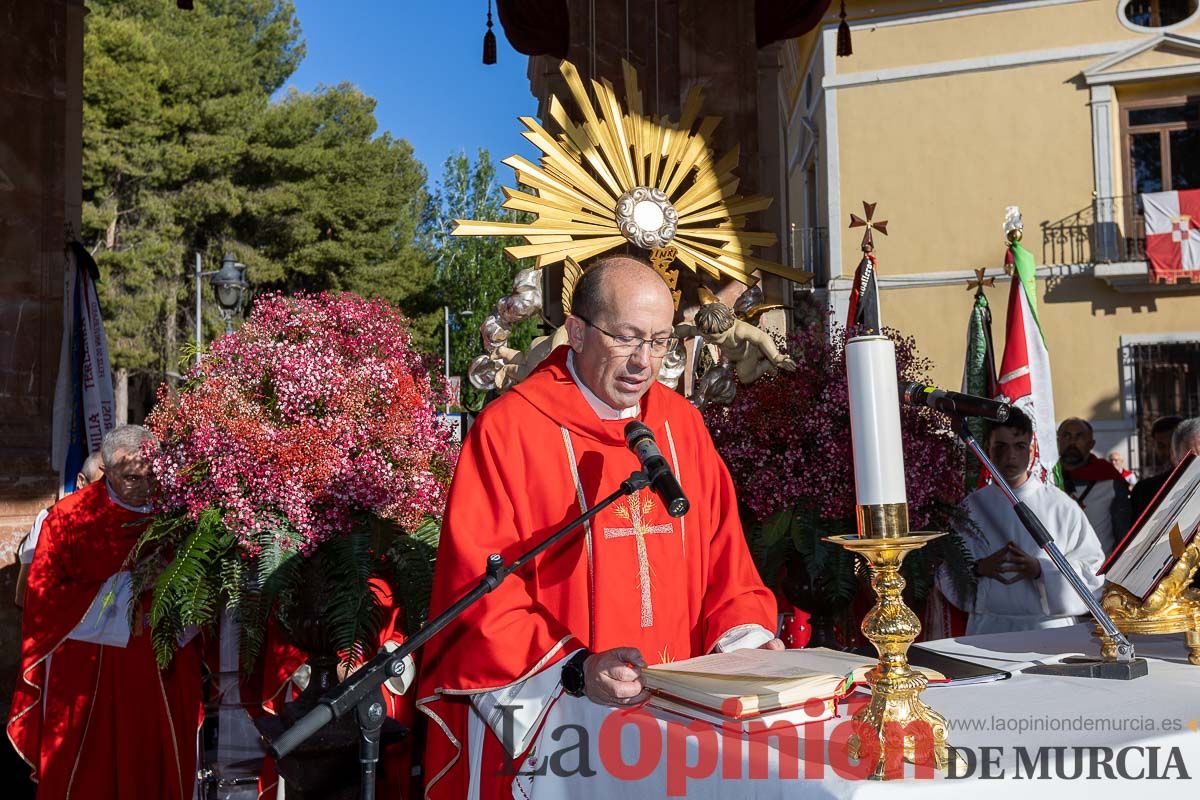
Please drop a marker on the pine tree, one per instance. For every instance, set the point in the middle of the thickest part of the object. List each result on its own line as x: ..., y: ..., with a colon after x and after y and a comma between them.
x: 169, y: 99
x: 328, y: 205
x: 184, y: 152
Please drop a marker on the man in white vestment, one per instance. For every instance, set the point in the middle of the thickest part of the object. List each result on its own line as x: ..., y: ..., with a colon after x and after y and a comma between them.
x: 1019, y: 587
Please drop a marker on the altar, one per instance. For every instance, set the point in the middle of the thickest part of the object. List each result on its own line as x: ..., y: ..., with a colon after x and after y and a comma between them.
x: 1036, y: 735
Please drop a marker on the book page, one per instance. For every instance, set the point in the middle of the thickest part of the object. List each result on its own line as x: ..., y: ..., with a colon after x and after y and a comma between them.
x: 759, y: 664
x: 1143, y: 562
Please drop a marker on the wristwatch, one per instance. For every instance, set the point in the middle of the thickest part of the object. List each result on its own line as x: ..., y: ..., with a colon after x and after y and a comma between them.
x: 573, y: 679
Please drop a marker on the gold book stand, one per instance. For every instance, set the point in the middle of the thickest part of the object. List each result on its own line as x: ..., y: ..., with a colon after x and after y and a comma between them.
x: 1173, y: 607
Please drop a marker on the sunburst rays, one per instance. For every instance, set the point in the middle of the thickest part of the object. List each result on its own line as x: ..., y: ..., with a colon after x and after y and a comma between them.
x: 606, y: 153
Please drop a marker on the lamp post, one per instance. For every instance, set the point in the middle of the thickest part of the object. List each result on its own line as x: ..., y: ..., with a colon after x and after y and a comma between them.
x: 229, y: 285
x: 446, y: 328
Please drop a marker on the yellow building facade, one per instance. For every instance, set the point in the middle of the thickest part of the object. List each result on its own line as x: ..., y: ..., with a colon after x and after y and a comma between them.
x: 947, y: 113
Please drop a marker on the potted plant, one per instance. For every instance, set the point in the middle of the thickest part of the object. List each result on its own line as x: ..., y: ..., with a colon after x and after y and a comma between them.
x: 301, y: 463
x: 786, y: 440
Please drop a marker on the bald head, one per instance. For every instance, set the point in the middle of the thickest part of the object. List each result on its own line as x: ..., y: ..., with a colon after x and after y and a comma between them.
x: 92, y: 469
x: 610, y: 280
x: 622, y: 314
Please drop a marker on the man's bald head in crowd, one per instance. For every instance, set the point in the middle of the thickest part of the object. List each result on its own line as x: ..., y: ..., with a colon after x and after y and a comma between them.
x: 91, y: 471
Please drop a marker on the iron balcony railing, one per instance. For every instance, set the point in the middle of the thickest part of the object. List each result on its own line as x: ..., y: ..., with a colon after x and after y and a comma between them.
x: 1109, y: 229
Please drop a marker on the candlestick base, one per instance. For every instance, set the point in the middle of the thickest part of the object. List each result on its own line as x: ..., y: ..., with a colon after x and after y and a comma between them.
x: 905, y: 728
x: 883, y: 521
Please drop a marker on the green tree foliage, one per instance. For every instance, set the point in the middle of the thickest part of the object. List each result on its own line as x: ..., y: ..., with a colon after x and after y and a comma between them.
x: 169, y: 98
x: 472, y: 272
x: 329, y: 205
x: 184, y: 152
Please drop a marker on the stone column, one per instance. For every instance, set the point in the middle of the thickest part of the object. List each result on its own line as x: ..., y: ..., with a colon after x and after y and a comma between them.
x: 41, y: 78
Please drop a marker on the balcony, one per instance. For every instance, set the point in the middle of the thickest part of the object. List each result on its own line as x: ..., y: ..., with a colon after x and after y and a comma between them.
x: 1094, y: 236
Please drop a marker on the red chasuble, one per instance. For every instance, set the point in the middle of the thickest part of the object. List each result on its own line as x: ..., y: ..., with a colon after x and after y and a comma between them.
x: 634, y: 577
x: 96, y: 721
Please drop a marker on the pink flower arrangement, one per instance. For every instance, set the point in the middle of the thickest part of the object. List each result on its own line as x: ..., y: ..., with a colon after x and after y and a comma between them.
x: 786, y: 438
x: 316, y: 410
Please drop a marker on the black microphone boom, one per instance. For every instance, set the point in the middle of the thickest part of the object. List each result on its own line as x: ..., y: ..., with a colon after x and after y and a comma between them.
x: 965, y: 405
x: 640, y: 440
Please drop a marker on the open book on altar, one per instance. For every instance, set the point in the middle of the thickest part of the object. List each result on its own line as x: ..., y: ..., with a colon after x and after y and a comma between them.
x: 791, y: 685
x: 1158, y: 538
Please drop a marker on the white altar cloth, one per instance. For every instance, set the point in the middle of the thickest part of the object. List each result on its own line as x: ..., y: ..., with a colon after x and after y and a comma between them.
x: 1131, y: 730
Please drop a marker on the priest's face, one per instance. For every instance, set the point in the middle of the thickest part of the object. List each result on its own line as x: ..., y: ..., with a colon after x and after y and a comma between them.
x: 635, y: 303
x: 1011, y: 451
x: 129, y: 477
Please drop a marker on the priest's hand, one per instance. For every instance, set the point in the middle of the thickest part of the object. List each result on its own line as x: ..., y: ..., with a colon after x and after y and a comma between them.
x: 774, y: 644
x: 614, y: 677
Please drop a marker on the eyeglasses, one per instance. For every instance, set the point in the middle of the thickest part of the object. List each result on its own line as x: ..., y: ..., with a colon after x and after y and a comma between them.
x: 628, y: 345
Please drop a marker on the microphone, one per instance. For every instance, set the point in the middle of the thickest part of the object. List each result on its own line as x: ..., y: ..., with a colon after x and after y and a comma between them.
x: 640, y: 440
x: 953, y: 402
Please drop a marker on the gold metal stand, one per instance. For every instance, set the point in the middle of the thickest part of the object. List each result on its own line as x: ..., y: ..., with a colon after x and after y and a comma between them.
x: 1173, y: 607
x: 883, y: 521
x: 895, y: 687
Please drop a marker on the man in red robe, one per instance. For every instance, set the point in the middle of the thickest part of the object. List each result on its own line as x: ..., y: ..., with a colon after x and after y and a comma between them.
x: 634, y: 587
x: 1101, y: 491
x: 92, y: 714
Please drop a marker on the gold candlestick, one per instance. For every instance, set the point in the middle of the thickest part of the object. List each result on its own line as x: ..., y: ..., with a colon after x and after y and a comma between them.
x: 896, y: 709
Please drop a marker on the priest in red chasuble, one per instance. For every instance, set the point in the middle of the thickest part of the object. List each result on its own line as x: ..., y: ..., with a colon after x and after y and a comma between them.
x: 635, y: 587
x: 92, y: 714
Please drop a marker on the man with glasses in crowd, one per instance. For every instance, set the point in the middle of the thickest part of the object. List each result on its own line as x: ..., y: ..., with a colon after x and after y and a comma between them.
x: 635, y: 587
x: 92, y: 714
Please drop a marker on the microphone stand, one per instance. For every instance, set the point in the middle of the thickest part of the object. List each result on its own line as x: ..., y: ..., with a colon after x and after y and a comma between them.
x: 360, y: 692
x: 1127, y: 666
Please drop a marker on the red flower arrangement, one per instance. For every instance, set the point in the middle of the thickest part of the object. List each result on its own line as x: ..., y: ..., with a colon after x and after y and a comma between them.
x: 786, y: 440
x: 316, y: 409
x: 306, y: 433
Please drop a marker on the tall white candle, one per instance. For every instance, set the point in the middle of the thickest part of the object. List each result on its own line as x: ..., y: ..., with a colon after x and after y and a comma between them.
x: 875, y: 420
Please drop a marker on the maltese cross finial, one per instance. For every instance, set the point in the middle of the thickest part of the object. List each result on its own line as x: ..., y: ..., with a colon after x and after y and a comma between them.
x: 980, y: 281
x: 868, y: 241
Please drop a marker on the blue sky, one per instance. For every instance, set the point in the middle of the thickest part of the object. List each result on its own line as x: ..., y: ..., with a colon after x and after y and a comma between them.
x: 422, y: 62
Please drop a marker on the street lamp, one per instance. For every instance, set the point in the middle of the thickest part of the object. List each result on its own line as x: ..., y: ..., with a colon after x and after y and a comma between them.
x: 446, y: 328
x: 229, y: 285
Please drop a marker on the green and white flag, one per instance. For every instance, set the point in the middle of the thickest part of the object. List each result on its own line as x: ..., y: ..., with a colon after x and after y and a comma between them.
x: 979, y: 372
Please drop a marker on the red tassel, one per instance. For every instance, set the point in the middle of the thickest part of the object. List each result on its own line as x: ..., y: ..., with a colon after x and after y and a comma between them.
x: 844, y: 47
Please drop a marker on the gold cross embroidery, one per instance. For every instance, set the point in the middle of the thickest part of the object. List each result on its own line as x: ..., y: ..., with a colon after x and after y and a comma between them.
x: 633, y: 512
